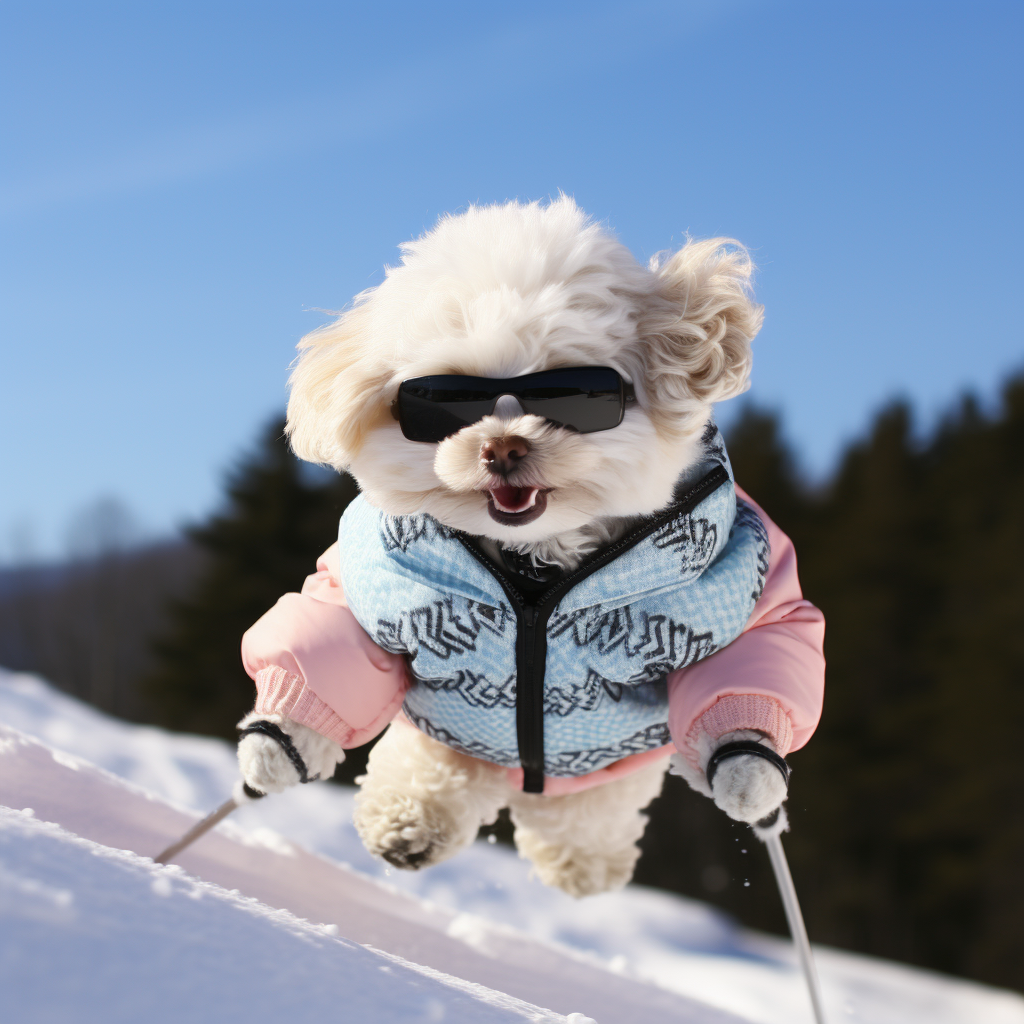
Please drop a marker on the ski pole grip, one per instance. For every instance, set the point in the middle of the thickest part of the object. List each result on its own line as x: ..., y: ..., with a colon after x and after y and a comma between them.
x: 738, y: 749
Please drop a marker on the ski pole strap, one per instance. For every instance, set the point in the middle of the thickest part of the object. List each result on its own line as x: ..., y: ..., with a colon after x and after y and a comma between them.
x: 275, y: 732
x: 738, y: 749
x: 768, y: 821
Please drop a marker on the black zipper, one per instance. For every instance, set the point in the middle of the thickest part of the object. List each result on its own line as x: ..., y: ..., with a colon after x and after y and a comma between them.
x: 532, y: 621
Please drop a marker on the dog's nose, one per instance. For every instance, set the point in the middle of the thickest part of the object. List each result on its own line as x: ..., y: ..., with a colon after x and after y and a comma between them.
x: 502, y: 455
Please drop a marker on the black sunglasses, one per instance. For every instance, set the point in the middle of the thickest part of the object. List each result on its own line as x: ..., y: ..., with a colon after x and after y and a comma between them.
x: 582, y: 398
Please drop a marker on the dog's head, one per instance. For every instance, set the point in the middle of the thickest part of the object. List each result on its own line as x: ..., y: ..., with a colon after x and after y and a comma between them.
x: 503, y: 291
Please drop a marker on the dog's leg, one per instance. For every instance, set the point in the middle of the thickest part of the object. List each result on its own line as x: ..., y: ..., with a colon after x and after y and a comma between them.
x: 421, y: 802
x: 585, y: 843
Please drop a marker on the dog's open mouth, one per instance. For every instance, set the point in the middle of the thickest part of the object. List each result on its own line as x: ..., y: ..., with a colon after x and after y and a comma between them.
x: 516, y: 506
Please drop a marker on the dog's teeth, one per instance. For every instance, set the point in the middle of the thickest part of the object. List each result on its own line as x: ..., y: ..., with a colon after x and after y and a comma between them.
x: 530, y: 502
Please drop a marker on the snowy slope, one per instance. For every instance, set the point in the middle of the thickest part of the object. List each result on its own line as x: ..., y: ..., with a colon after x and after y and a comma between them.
x: 98, y: 806
x: 641, y: 943
x: 106, y: 935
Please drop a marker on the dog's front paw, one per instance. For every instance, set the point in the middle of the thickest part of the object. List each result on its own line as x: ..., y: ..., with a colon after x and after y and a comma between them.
x: 748, y: 788
x: 274, y: 753
x: 749, y: 781
x: 403, y: 831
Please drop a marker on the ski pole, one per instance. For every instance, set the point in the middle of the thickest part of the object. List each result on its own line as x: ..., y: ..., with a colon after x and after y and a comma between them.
x: 773, y: 841
x: 200, y: 828
x: 242, y: 794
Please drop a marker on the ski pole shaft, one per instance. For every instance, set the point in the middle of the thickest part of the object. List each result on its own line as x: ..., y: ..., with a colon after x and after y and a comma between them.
x: 200, y: 828
x: 797, y: 929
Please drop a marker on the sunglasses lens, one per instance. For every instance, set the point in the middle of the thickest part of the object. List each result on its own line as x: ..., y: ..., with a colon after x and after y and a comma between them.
x: 582, y: 398
x: 585, y: 399
x: 433, y: 408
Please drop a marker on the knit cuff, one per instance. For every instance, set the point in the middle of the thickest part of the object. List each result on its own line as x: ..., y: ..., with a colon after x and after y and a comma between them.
x: 748, y: 711
x: 279, y: 692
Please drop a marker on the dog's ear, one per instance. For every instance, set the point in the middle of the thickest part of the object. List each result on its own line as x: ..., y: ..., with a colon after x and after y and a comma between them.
x: 338, y: 391
x: 697, y: 329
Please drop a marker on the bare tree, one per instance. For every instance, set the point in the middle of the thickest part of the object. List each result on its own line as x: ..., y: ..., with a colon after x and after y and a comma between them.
x: 86, y: 624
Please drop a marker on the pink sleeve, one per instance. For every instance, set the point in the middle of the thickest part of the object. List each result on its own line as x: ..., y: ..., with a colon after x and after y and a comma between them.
x: 770, y: 678
x: 312, y: 661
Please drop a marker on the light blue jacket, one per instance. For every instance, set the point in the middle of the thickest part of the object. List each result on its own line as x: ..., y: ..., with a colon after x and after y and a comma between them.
x: 682, y: 587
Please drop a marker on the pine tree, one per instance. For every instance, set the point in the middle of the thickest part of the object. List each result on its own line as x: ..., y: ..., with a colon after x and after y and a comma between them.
x: 279, y: 516
x: 907, y: 808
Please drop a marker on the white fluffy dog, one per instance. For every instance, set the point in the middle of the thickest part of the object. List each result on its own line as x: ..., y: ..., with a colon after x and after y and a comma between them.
x: 499, y: 292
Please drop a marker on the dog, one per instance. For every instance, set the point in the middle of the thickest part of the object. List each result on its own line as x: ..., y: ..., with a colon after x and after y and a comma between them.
x: 501, y: 293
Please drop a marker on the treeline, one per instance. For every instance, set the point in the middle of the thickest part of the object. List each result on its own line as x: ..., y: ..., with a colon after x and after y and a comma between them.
x: 907, y: 805
x: 87, y: 625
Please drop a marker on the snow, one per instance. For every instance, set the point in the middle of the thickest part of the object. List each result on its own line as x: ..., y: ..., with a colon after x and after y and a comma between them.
x: 153, y: 943
x: 127, y: 938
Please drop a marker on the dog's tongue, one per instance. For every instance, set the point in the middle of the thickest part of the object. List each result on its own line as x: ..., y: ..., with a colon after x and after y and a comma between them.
x: 514, y: 499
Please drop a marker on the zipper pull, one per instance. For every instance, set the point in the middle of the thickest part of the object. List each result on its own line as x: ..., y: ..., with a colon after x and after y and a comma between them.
x: 530, y: 614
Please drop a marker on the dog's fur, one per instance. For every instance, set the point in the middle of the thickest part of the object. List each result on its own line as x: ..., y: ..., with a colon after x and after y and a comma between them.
x: 501, y: 291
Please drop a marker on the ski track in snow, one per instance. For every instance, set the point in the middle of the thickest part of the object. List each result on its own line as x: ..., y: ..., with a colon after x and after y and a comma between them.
x: 65, y: 901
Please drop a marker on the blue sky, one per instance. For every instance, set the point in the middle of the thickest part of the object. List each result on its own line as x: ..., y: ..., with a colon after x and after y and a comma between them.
x: 186, y: 187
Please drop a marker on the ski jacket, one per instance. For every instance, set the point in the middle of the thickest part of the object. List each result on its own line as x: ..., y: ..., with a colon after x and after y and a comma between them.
x: 636, y: 653
x: 577, y: 678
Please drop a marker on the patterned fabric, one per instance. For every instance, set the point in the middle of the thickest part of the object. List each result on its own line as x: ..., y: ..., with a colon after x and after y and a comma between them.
x: 681, y: 593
